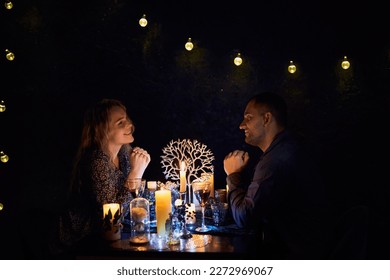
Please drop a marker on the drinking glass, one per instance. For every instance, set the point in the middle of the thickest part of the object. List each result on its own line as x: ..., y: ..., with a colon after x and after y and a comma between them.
x: 136, y: 186
x: 202, y: 193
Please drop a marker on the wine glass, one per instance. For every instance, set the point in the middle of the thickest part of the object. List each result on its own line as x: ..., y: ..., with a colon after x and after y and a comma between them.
x: 202, y: 193
x: 136, y: 186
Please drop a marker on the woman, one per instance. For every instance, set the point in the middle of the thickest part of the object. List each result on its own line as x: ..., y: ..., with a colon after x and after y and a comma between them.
x: 104, y: 162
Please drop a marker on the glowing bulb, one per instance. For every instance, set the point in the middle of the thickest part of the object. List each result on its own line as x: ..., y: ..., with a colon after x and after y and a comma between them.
x: 1, y: 206
x: 3, y: 157
x: 8, y: 5
x: 238, y: 60
x: 143, y: 22
x: 189, y: 45
x: 345, y: 63
x: 10, y: 55
x: 2, y: 106
x: 292, y: 68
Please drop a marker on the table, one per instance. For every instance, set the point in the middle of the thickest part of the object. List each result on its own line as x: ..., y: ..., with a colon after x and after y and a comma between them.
x: 223, y: 242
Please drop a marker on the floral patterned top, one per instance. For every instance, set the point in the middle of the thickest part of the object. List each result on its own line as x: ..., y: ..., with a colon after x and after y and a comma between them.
x: 100, y: 182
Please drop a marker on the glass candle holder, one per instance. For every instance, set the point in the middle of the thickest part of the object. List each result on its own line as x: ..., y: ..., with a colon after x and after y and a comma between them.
x: 139, y: 220
x: 111, y: 221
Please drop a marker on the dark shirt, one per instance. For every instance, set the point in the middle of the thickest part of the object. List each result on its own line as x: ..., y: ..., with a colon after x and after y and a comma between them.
x: 286, y: 202
x: 100, y: 182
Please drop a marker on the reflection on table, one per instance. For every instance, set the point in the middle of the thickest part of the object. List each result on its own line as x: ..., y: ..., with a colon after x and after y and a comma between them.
x: 221, y: 242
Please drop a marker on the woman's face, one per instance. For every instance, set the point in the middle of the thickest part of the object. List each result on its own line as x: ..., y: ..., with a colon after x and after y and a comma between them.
x: 121, y: 127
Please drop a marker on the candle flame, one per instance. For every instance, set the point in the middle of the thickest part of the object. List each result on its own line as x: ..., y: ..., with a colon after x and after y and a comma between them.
x: 182, y: 166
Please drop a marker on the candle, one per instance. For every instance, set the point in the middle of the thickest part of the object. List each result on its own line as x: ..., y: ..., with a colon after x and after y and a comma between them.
x: 183, y: 182
x: 163, y: 208
x: 190, y: 213
x: 152, y: 185
x: 113, y: 207
x: 111, y: 225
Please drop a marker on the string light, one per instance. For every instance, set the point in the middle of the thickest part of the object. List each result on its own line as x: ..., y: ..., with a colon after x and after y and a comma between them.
x: 292, y: 68
x: 9, y: 55
x: 2, y: 106
x: 8, y: 5
x: 143, y: 21
x: 238, y: 59
x: 3, y: 157
x: 345, y: 63
x: 189, y: 45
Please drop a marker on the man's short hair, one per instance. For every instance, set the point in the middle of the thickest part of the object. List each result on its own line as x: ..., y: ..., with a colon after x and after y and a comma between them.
x: 274, y: 103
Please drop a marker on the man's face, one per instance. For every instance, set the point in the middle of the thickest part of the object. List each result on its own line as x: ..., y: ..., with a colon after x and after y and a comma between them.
x: 253, y: 124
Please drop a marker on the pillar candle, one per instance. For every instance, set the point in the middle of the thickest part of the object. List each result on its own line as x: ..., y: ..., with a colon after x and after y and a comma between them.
x: 110, y: 206
x: 152, y: 185
x: 183, y: 182
x: 163, y: 208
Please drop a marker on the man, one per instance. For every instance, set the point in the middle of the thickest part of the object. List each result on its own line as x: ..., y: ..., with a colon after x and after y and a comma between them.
x: 286, y: 201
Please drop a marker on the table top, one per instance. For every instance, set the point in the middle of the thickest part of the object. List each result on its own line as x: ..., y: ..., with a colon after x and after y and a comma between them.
x: 222, y: 242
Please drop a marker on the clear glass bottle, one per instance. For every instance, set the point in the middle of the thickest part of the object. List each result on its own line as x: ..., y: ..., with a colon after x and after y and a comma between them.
x: 139, y: 220
x: 151, y: 197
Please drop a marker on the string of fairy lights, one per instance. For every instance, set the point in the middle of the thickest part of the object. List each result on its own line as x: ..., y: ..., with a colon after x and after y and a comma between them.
x: 10, y: 57
x: 143, y: 22
x: 238, y: 60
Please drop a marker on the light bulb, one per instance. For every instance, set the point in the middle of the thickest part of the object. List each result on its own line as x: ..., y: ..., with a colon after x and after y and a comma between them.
x: 189, y: 45
x: 10, y: 55
x: 345, y: 63
x: 292, y: 68
x: 238, y: 60
x: 1, y: 206
x: 143, y: 22
x: 8, y: 5
x: 2, y: 106
x: 3, y: 157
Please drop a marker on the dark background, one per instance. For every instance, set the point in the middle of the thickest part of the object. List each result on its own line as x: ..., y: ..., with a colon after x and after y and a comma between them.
x: 71, y: 54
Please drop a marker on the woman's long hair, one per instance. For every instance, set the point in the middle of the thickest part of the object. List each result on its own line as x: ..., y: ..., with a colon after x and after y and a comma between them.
x: 94, y: 135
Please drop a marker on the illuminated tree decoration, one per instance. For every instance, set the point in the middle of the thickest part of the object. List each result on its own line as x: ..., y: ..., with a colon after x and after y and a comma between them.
x: 2, y: 106
x: 238, y: 60
x: 345, y: 63
x: 292, y: 68
x: 189, y: 45
x: 143, y: 21
x: 197, y: 157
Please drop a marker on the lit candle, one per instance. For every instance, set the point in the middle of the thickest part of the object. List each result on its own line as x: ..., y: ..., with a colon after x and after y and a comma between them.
x: 111, y: 225
x: 190, y: 213
x: 152, y: 185
x: 183, y: 177
x: 163, y: 208
x: 113, y: 207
